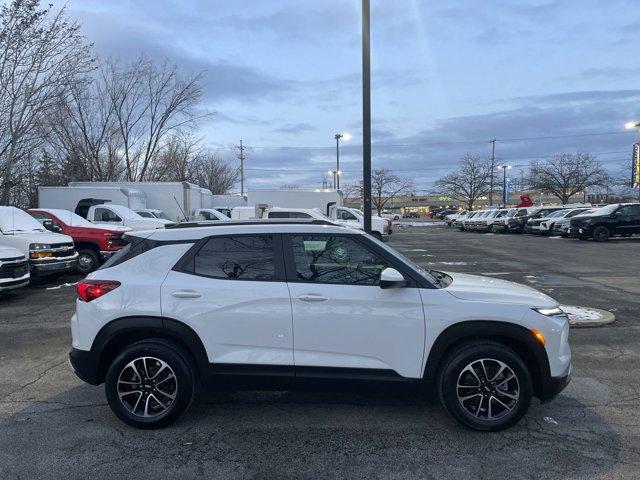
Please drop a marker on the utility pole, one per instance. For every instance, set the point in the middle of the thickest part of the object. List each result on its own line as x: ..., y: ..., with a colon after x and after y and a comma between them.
x: 366, y: 113
x: 493, y: 168
x: 242, y: 159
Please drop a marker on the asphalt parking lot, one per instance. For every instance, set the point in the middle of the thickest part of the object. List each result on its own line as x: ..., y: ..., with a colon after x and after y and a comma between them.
x: 54, y: 426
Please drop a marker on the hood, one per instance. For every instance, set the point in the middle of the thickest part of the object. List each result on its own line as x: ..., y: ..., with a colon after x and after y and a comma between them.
x: 44, y: 237
x: 8, y: 252
x: 487, y: 289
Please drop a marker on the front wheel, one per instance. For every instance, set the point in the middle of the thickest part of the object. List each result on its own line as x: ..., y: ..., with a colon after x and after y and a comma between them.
x: 150, y: 384
x: 87, y: 261
x: 601, y: 234
x: 485, y: 386
x: 378, y: 235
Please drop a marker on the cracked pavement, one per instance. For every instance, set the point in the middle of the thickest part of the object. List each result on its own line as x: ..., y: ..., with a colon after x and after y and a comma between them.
x: 54, y: 426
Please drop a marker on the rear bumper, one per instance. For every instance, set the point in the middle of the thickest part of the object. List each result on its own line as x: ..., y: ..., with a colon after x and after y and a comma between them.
x: 85, y: 365
x: 552, y: 386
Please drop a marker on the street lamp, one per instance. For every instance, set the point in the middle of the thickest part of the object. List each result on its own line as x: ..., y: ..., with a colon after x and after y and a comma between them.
x: 338, y: 136
x: 504, y: 168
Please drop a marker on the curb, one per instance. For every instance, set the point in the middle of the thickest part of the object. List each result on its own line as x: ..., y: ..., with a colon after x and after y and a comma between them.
x: 582, y: 317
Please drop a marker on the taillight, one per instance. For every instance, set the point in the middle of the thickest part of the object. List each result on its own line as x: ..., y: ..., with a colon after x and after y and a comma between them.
x: 91, y: 289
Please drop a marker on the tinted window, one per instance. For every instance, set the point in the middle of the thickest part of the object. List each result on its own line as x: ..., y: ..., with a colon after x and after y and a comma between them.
x: 335, y: 259
x: 629, y: 211
x: 346, y: 215
x: 237, y: 258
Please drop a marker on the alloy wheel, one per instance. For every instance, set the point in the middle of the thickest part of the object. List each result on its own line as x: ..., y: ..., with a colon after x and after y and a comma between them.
x: 488, y: 389
x: 147, y: 387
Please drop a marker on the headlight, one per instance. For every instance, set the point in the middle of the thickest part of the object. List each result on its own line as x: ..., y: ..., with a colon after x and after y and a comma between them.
x: 39, y: 246
x: 549, y: 312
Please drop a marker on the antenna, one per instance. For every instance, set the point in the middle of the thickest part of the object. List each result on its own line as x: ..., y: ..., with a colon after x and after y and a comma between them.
x: 178, y: 203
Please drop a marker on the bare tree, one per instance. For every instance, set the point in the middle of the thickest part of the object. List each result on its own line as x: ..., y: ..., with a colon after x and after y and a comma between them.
x: 210, y: 171
x: 471, y: 181
x: 150, y: 103
x: 385, y: 186
x: 565, y: 175
x: 42, y: 54
x: 174, y: 161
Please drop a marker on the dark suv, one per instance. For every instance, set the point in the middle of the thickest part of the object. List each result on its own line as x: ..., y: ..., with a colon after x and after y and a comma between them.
x: 617, y: 219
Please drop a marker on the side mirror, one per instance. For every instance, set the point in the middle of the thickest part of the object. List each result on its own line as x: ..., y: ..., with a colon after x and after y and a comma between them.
x: 391, y: 278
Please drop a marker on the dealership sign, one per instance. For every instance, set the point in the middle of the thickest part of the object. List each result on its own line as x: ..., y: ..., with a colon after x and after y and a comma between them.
x: 635, y: 166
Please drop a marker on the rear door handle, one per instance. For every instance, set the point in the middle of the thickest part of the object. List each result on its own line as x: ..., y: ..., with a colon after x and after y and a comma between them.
x: 186, y: 294
x: 312, y: 297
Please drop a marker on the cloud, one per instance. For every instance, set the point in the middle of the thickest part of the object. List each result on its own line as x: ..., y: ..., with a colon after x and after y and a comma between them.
x: 294, y: 128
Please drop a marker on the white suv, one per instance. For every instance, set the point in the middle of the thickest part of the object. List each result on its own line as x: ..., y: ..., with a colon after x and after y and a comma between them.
x: 221, y: 306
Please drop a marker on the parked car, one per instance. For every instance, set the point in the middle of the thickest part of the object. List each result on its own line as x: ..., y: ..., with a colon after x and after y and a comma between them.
x: 620, y: 219
x: 461, y: 223
x: 94, y: 243
x: 411, y: 215
x: 219, y: 306
x: 443, y: 213
x: 500, y: 224
x: 546, y: 225
x: 211, y: 214
x: 48, y: 253
x: 536, y: 216
x: 453, y: 217
x: 562, y: 226
x: 390, y: 215
x: 490, y: 219
x: 111, y: 214
x: 14, y: 269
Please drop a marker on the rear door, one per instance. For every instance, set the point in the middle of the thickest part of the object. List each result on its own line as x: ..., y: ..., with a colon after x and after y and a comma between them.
x: 628, y: 219
x: 232, y: 292
x: 342, y: 318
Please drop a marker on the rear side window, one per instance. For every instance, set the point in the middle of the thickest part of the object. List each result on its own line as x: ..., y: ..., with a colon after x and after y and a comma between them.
x: 237, y: 258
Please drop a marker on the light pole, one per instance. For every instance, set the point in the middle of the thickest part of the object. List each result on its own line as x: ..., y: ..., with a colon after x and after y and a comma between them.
x: 635, y: 161
x: 338, y: 136
x: 504, y: 168
x: 366, y: 113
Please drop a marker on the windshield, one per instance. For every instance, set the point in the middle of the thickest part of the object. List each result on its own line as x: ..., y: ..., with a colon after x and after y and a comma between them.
x: 512, y: 212
x: 558, y: 213
x: 161, y: 214
x: 607, y: 209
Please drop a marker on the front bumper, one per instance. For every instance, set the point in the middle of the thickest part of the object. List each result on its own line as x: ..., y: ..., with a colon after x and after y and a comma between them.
x: 13, y: 283
x: 85, y: 365
x: 552, y: 386
x: 51, y: 267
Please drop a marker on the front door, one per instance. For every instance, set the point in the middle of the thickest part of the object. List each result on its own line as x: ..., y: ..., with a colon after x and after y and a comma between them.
x: 341, y: 316
x: 232, y: 293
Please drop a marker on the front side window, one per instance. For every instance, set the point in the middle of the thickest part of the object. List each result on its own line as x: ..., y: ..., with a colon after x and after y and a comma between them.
x: 346, y: 215
x: 335, y: 259
x: 105, y: 215
x: 237, y: 258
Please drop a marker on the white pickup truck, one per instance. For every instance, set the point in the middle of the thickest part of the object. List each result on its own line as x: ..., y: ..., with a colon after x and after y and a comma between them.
x: 210, y: 214
x: 350, y: 217
x: 48, y: 253
x: 112, y: 214
x: 14, y: 269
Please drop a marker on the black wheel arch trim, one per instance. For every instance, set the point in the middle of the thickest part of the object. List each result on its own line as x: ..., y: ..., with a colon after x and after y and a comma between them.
x: 518, y: 338
x: 91, y: 366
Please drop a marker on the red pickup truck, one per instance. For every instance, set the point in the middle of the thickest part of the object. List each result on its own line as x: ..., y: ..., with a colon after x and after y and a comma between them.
x: 94, y: 243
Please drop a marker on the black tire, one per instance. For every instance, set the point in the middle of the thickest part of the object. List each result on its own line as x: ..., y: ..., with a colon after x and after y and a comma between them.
x: 601, y: 234
x: 493, y: 354
x: 88, y: 261
x: 378, y: 235
x: 182, y: 387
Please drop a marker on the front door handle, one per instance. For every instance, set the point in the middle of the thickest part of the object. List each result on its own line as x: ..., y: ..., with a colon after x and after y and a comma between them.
x: 186, y: 294
x: 312, y: 297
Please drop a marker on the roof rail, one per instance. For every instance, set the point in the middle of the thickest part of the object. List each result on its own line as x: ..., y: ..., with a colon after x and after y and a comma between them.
x: 229, y: 223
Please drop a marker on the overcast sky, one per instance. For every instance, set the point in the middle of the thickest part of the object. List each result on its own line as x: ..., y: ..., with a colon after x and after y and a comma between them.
x: 447, y: 77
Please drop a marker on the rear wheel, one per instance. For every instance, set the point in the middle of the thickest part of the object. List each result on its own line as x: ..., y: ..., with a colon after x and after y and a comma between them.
x: 485, y: 386
x: 150, y: 384
x: 601, y: 234
x: 378, y: 235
